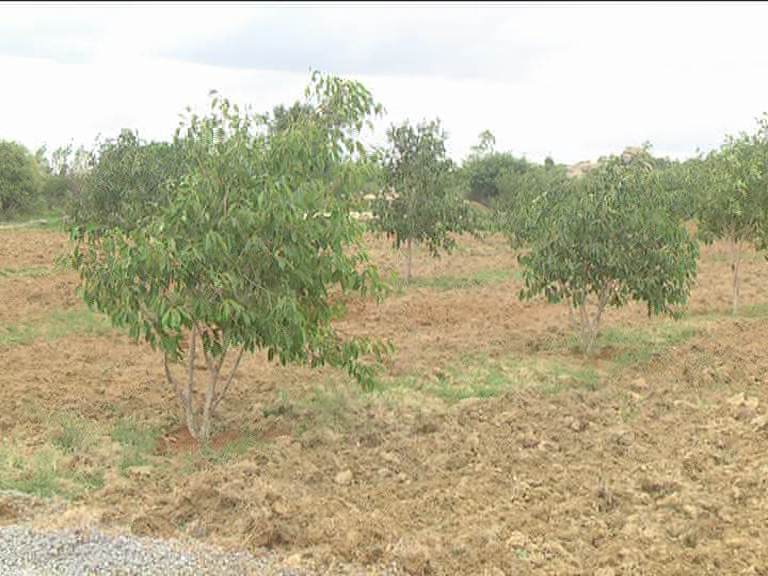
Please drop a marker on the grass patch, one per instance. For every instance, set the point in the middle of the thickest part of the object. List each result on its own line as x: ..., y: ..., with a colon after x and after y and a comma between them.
x: 32, y: 272
x: 138, y: 441
x: 752, y: 311
x: 641, y: 346
x: 18, y: 334
x: 45, y: 473
x: 559, y: 378
x: 332, y: 407
x: 45, y: 220
x: 209, y: 455
x: 727, y: 257
x: 75, y: 434
x: 132, y: 434
x: 632, y: 346
x: 57, y: 324
x: 80, y: 322
x: 282, y: 407
x: 230, y: 451
x: 475, y: 280
x: 478, y: 376
x: 484, y: 380
x: 36, y: 476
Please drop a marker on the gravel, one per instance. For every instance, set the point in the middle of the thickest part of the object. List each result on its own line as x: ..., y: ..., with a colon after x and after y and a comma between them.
x: 25, y: 552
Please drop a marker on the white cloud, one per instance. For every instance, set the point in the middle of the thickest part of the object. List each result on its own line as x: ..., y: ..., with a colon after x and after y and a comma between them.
x: 573, y: 81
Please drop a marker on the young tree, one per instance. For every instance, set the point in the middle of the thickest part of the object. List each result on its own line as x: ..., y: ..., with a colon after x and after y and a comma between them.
x: 420, y: 201
x: 610, y: 239
x: 735, y: 204
x: 20, y: 179
x: 255, y: 248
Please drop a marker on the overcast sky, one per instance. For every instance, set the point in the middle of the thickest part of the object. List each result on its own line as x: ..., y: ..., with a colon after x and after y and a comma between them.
x: 574, y: 81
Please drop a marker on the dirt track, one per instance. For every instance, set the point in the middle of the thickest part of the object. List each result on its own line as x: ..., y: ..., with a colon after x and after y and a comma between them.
x: 644, y: 464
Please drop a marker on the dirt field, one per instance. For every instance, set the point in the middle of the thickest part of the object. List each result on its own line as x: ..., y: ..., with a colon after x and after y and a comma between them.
x: 490, y: 447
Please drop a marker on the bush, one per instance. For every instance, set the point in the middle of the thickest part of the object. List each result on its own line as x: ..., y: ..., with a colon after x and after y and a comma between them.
x: 128, y: 181
x: 20, y: 181
x: 482, y: 173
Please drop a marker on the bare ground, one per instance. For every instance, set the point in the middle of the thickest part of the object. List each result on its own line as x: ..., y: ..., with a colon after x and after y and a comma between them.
x: 491, y: 447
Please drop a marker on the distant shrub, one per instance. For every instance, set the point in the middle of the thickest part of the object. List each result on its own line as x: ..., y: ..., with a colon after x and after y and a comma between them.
x: 20, y: 181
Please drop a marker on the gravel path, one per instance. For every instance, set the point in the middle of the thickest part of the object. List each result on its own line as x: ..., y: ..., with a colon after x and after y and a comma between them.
x: 24, y: 552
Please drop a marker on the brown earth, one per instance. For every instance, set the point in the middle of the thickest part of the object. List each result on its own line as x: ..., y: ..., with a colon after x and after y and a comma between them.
x: 661, y: 468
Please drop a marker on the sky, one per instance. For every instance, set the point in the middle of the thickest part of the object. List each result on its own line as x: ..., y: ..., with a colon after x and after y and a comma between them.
x: 574, y: 81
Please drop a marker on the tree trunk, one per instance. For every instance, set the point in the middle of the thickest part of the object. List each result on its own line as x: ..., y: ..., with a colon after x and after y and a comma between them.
x: 199, y: 421
x: 735, y: 265
x: 571, y: 317
x: 189, y: 407
x: 214, y: 370
x: 589, y: 326
x: 588, y: 332
x: 409, y: 248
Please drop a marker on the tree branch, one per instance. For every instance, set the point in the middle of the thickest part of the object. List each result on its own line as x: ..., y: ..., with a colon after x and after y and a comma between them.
x: 171, y: 380
x: 224, y: 389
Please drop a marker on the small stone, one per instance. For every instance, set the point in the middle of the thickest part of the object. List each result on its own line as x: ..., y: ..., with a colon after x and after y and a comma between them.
x: 344, y: 478
x: 737, y: 400
x: 517, y: 540
x: 577, y: 425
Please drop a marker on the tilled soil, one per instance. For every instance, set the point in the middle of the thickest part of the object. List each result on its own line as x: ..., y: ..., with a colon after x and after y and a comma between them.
x: 660, y: 470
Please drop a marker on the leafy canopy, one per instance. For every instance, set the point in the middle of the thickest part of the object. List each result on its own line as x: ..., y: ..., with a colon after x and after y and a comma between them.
x: 611, y: 237
x: 735, y: 178
x: 522, y: 206
x: 254, y: 247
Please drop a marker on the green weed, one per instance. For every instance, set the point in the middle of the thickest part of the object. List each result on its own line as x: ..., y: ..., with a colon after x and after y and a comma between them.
x: 475, y: 280
x: 31, y: 272
x: 632, y: 346
x: 56, y: 324
x: 75, y: 434
x: 137, y: 440
x: 44, y: 474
